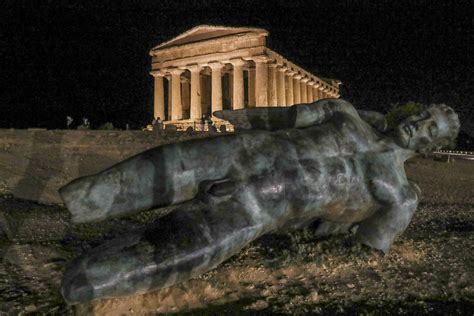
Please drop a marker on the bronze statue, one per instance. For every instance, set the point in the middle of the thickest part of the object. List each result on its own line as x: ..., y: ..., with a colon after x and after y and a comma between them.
x: 287, y: 167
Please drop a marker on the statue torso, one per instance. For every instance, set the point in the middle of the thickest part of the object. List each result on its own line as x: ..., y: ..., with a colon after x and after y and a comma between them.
x: 331, y: 171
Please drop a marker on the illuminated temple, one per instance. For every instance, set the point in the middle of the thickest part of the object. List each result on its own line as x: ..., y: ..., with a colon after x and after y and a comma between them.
x: 210, y: 68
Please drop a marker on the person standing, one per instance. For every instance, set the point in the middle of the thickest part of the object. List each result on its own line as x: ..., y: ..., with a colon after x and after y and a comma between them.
x: 210, y: 126
x: 159, y: 123
x: 69, y: 121
x: 202, y: 122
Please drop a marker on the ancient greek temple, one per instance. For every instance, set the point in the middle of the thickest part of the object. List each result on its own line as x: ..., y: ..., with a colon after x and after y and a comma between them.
x: 210, y: 68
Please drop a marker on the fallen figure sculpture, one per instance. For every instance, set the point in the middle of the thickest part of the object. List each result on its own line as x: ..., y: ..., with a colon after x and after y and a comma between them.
x: 287, y: 167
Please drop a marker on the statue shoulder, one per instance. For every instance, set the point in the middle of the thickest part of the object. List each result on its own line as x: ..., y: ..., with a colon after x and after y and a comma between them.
x: 387, y: 179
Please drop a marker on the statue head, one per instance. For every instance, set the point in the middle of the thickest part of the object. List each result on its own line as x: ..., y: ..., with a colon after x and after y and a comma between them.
x: 435, y: 127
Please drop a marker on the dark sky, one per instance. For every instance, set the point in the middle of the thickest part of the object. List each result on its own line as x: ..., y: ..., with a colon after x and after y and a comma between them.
x: 91, y: 59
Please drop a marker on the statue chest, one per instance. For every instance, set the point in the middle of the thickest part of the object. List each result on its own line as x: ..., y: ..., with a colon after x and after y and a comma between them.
x: 333, y: 188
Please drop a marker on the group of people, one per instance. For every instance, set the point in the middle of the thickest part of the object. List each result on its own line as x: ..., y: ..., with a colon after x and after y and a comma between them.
x: 157, y: 124
x: 210, y: 124
x: 85, y: 122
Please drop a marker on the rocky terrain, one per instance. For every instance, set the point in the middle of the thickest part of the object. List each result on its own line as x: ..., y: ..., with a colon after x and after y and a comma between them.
x: 429, y: 271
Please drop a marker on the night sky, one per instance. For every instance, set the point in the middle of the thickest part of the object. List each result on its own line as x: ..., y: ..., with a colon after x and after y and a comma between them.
x: 91, y: 59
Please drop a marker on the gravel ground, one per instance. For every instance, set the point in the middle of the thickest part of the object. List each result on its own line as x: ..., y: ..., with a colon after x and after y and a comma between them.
x: 429, y: 270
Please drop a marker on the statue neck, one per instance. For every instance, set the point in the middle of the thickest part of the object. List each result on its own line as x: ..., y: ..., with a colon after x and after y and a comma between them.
x: 402, y: 152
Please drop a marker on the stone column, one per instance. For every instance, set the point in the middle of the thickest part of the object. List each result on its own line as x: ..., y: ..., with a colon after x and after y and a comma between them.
x: 230, y: 86
x: 261, y: 82
x: 331, y: 92
x: 238, y: 84
x: 281, y: 96
x: 316, y: 90
x: 196, y: 109
x: 176, y: 103
x: 251, y: 86
x: 290, y: 98
x: 170, y: 106
x: 216, y: 73
x: 297, y: 88
x: 272, y: 85
x: 304, y: 90
x: 186, y: 96
x: 159, y: 95
x: 310, y: 91
x: 206, y: 93
x: 321, y: 91
x: 327, y: 92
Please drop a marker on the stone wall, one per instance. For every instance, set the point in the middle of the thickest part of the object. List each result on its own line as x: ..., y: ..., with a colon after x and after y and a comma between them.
x: 35, y: 163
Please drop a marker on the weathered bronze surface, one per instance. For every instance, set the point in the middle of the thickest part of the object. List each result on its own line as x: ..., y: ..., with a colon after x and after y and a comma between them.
x: 286, y: 168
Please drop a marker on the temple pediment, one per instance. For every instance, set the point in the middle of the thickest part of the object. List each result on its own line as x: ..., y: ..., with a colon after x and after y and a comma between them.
x: 202, y: 33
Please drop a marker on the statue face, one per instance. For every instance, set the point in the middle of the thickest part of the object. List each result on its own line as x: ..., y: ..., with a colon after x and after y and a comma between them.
x: 421, y: 132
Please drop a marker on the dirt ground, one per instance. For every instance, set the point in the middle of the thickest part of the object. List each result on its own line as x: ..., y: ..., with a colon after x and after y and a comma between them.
x: 429, y: 270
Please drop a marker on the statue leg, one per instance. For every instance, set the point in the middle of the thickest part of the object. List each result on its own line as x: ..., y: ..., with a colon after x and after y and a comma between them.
x: 159, y: 177
x: 179, y: 246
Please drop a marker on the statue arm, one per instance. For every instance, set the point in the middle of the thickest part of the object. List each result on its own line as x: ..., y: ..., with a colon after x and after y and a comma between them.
x: 380, y: 230
x: 376, y: 119
x: 261, y: 118
x: 296, y: 116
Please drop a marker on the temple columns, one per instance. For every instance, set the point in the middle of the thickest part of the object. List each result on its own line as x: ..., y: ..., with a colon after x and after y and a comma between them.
x: 304, y: 90
x: 290, y: 91
x: 310, y: 91
x: 272, y: 85
x: 185, y: 96
x: 196, y: 109
x: 159, y: 95
x: 216, y: 73
x: 168, y: 78
x: 251, y: 86
x: 297, y: 88
x: 176, y: 103
x: 261, y: 82
x: 326, y: 92
x: 273, y: 81
x: 238, y: 84
x: 281, y: 98
x: 321, y: 93
x: 316, y: 91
